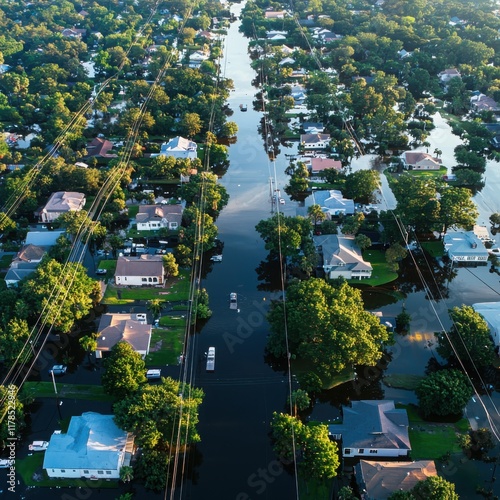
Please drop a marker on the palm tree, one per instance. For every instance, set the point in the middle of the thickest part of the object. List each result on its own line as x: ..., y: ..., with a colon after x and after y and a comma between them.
x: 126, y: 474
x: 437, y: 153
x: 155, y: 306
x: 89, y: 343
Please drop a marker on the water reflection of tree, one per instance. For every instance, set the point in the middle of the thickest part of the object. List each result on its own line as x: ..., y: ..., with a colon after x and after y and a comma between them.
x: 268, y: 274
x: 429, y: 274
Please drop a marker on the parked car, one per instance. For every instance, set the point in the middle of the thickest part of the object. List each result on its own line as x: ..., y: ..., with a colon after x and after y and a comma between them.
x: 282, y: 201
x: 5, y: 464
x: 494, y: 251
x: 101, y: 271
x: 141, y: 317
x: 38, y: 446
x: 58, y: 369
x: 216, y: 258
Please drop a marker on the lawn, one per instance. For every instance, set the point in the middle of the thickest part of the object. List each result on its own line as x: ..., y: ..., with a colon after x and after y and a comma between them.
x: 402, y: 381
x: 303, y: 366
x: 432, y: 440
x: 429, y: 173
x: 31, y: 466
x: 167, y: 345
x: 133, y: 210
x: 433, y: 248
x: 74, y: 391
x: 381, y: 274
x: 312, y: 489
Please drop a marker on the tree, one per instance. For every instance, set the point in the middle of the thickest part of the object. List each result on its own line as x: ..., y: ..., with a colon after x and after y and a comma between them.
x: 191, y: 124
x: 316, y: 215
x: 61, y: 294
x: 152, y: 413
x: 200, y: 229
x: 299, y: 181
x: 170, y: 267
x: 402, y: 495
x: 152, y: 467
x: 89, y: 344
x: 403, y: 322
x: 360, y: 186
x: 346, y: 493
x: 155, y: 306
x: 469, y: 336
x: 394, y: 254
x: 352, y: 223
x: 200, y: 307
x: 183, y: 256
x: 468, y: 177
x: 125, y: 371
x: 12, y: 339
x: 300, y: 400
x: 456, y: 209
x: 316, y: 455
x: 326, y: 326
x: 126, y: 473
x: 434, y: 488
x: 9, y: 401
x: 445, y: 392
x: 363, y: 241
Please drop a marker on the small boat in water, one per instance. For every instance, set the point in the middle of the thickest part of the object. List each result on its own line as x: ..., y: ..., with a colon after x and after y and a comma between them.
x: 233, y: 301
x: 243, y: 107
x: 211, y: 359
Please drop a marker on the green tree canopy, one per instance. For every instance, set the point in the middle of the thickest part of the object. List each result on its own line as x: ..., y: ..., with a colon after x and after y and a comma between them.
x: 12, y: 339
x: 444, y: 392
x: 5, y: 408
x: 456, y: 209
x: 360, y: 186
x: 125, y: 371
x: 434, y: 488
x: 152, y: 413
x: 326, y: 326
x: 469, y: 336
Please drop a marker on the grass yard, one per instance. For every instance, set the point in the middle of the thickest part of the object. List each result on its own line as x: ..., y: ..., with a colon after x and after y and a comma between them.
x: 432, y: 440
x: 402, y: 381
x: 312, y: 489
x: 381, y: 274
x: 166, y: 346
x: 433, y: 248
x: 429, y: 173
x: 31, y: 467
x: 133, y: 210
x: 300, y: 366
x: 74, y: 391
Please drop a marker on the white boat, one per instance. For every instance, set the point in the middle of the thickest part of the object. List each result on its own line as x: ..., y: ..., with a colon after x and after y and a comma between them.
x: 233, y: 301
x: 211, y: 359
x: 216, y: 258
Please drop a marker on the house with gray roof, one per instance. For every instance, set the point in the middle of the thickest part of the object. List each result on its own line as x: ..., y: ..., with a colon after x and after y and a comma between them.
x: 128, y: 327
x: 60, y: 203
x: 341, y: 257
x: 490, y: 311
x: 464, y: 247
x: 379, y: 480
x: 15, y: 274
x: 373, y: 429
x: 314, y: 142
x: 143, y: 270
x: 42, y: 238
x: 94, y: 447
x: 153, y: 217
x: 333, y: 203
x: 179, y: 147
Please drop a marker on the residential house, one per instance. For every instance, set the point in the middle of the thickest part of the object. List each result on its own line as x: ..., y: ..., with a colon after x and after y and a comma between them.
x: 153, y: 217
x: 319, y: 164
x: 42, y: 238
x: 403, y: 54
x: 373, y: 428
x: 286, y: 50
x: 465, y: 247
x: 313, y: 127
x: 143, y: 270
x: 99, y: 148
x: 449, y: 73
x: 298, y: 92
x: 314, y: 142
x: 29, y: 253
x: 15, y: 274
x: 287, y: 61
x: 94, y: 447
x: 379, y: 480
x: 333, y: 203
x: 73, y: 32
x: 278, y: 37
x: 490, y: 311
x: 418, y: 160
x: 60, y: 203
x: 482, y: 102
x: 179, y: 147
x: 196, y: 58
x: 341, y: 257
x: 274, y: 14
x: 114, y: 328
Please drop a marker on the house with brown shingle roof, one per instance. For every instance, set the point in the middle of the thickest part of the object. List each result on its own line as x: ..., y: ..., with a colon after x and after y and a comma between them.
x: 60, y: 203
x: 28, y: 253
x: 379, y: 480
x: 99, y: 147
x: 274, y: 14
x: 153, y: 217
x: 144, y: 270
x: 114, y: 328
x: 418, y: 160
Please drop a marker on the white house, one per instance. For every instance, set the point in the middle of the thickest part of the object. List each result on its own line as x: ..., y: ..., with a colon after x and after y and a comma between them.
x: 465, y: 247
x: 94, y: 448
x: 373, y: 429
x: 179, y: 147
x: 144, y: 270
x: 342, y: 257
x: 153, y: 217
x: 131, y: 328
x: 333, y: 203
x: 196, y: 58
x: 60, y: 203
x: 418, y: 160
x: 314, y: 141
x: 490, y: 311
x: 449, y: 73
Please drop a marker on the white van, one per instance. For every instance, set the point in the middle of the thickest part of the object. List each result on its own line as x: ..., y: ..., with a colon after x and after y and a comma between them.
x: 153, y: 374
